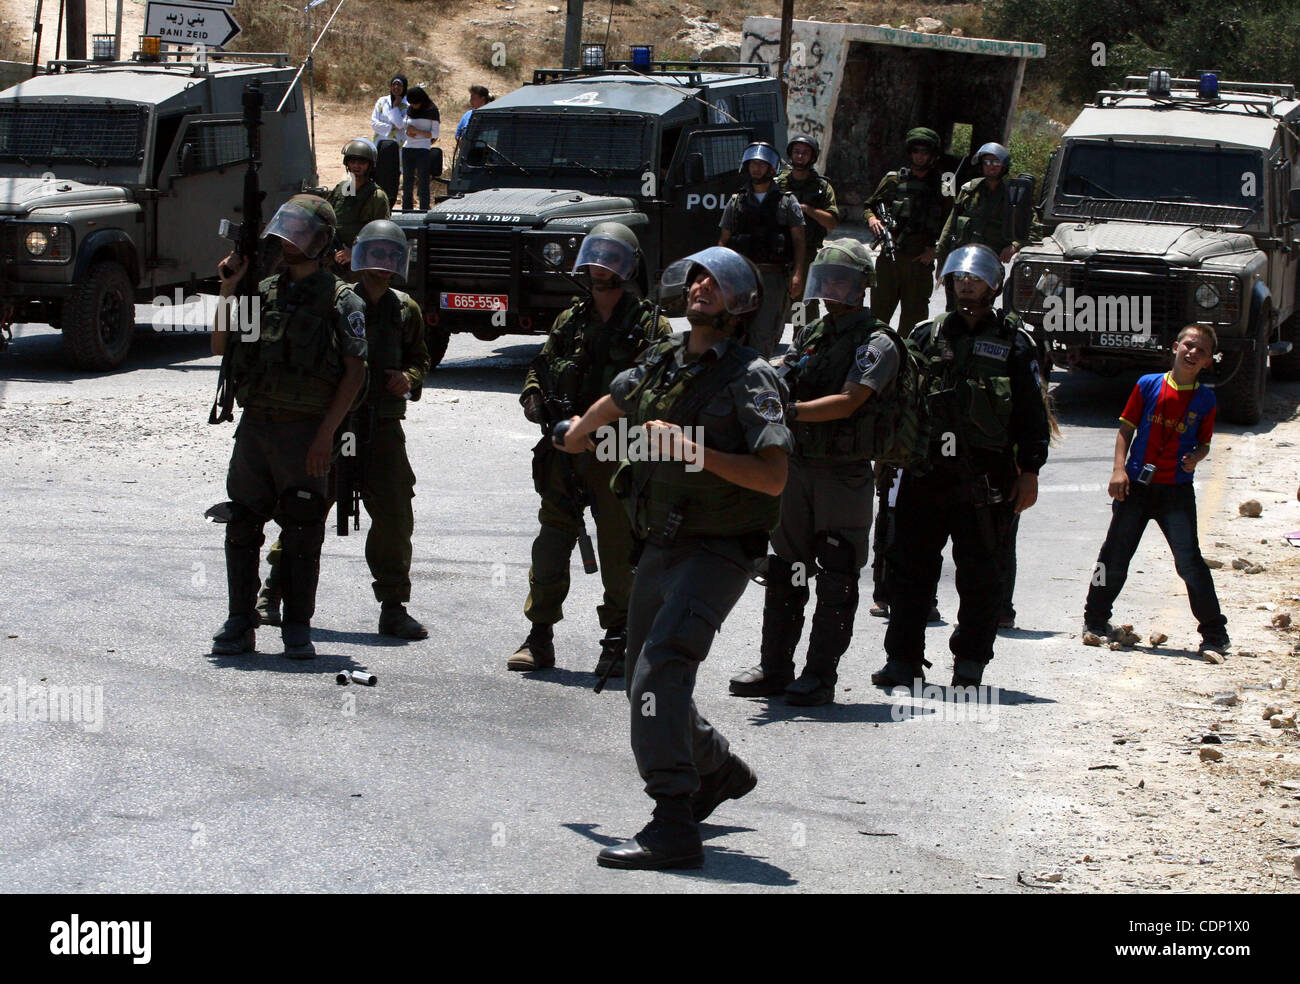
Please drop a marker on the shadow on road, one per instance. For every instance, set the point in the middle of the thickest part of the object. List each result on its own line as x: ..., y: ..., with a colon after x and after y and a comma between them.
x: 720, y: 863
x: 501, y: 372
x: 276, y: 662
x: 360, y: 638
x: 36, y: 355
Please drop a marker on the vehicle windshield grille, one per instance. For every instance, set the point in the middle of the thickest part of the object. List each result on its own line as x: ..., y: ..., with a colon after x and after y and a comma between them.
x: 543, y: 143
x: 41, y: 134
x: 1170, y: 213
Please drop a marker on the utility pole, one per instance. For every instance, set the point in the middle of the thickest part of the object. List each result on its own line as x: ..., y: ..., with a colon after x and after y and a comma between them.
x: 783, y: 57
x: 573, y: 34
x: 76, y: 29
x: 117, y: 32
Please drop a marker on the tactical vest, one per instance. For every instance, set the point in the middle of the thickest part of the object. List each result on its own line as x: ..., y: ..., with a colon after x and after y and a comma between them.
x: 708, y: 505
x: 295, y: 364
x: 979, y: 220
x: 918, y: 208
x: 384, y: 324
x: 970, y: 383
x: 587, y: 356
x: 764, y: 240
x: 812, y: 192
x: 349, y: 209
x: 818, y: 367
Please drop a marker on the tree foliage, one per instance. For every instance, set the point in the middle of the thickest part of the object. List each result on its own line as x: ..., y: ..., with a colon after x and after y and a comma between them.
x: 1093, y: 44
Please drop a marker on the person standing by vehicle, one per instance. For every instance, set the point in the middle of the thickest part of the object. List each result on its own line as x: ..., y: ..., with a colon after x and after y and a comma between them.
x: 983, y: 211
x: 478, y: 98
x: 766, y: 226
x: 841, y: 372
x: 594, y: 340
x: 388, y: 120
x: 701, y: 396
x: 356, y: 200
x: 296, y: 378
x: 417, y: 154
x: 816, y: 197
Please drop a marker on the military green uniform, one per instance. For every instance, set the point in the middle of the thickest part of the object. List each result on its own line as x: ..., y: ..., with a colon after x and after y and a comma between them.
x: 584, y: 355
x: 817, y: 191
x: 395, y: 327
x: 826, y: 506
x: 286, y: 381
x: 918, y: 208
x: 355, y: 211
x: 979, y: 216
x: 760, y: 231
x: 702, y: 536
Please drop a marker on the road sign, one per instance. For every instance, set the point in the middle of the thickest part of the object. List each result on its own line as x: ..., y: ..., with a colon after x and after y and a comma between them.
x: 190, y: 24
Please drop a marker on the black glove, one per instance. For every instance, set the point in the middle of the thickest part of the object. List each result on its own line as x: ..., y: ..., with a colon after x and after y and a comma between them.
x: 534, y: 408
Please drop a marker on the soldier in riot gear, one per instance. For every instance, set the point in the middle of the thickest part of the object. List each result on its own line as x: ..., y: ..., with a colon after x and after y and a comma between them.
x: 766, y: 226
x: 816, y: 197
x: 296, y: 375
x: 357, y: 200
x: 840, y: 371
x: 703, y: 528
x: 988, y: 440
x: 591, y: 342
x: 983, y: 212
x: 913, y: 196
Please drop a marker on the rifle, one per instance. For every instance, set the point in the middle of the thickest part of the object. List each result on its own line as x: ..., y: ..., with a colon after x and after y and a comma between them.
x: 245, y: 237
x: 557, y: 412
x: 353, y: 460
x: 886, y: 237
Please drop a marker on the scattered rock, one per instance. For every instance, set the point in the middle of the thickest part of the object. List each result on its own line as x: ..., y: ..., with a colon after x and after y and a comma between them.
x: 1282, y: 620
x: 1211, y: 755
x: 1251, y: 508
x: 1256, y: 569
x: 1116, y: 645
x: 1047, y: 876
x: 929, y: 25
x: 1240, y: 564
x: 1249, y: 654
x: 1225, y: 700
x: 1092, y: 639
x: 552, y: 10
x: 1271, y: 710
x: 1295, y: 863
x: 957, y: 32
x: 1212, y: 656
x: 1158, y: 638
x: 1211, y: 739
x: 1277, y: 683
x: 1213, y: 564
x: 1278, y: 721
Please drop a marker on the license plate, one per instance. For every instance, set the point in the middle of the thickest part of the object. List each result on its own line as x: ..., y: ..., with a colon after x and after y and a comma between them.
x: 1127, y: 340
x: 474, y: 302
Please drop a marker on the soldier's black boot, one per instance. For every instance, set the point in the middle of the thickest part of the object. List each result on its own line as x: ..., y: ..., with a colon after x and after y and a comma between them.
x: 299, y: 573
x: 537, y: 652
x: 967, y: 673
x: 783, y: 605
x: 613, y: 649
x: 670, y: 840
x: 734, y: 780
x: 898, y: 673
x: 395, y: 620
x: 268, y: 600
x: 832, y: 623
x: 243, y: 541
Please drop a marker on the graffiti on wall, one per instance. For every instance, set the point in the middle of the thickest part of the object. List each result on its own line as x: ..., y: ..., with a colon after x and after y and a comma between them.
x: 813, y: 72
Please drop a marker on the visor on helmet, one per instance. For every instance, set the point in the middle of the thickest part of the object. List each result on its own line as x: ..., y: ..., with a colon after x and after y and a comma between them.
x: 381, y: 254
x: 836, y: 282
x: 732, y: 273
x: 299, y: 226
x: 607, y: 253
x: 758, y: 152
x: 978, y: 261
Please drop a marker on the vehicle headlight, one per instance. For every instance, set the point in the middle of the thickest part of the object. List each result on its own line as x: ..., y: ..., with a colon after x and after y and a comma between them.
x: 554, y: 254
x: 1206, y: 296
x: 1050, y: 284
x: 37, y: 242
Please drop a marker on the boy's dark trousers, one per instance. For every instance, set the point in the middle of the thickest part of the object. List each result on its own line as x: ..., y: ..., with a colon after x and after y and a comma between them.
x: 1173, y: 507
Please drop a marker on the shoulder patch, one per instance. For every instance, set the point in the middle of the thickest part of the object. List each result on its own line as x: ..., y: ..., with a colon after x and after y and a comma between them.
x: 768, y: 405
x: 994, y: 350
x: 866, y: 357
x: 357, y: 324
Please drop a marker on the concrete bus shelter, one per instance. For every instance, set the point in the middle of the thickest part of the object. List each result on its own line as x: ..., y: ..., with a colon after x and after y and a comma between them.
x: 858, y: 89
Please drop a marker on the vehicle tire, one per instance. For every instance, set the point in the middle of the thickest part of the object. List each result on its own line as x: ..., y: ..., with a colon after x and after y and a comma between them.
x: 436, y: 338
x: 486, y: 336
x: 1241, y: 399
x: 1287, y: 367
x: 98, y: 320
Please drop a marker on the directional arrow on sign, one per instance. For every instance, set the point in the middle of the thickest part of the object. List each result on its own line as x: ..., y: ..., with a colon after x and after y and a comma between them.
x: 190, y: 24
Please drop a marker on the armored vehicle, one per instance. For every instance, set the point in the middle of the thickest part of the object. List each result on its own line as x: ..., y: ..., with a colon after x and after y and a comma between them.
x: 1170, y: 202
x: 114, y: 176
x: 656, y: 147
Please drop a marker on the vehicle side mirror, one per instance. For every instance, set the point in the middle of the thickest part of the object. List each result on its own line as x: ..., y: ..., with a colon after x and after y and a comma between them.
x: 694, y: 168
x: 475, y: 156
x: 188, y: 162
x: 1293, y: 204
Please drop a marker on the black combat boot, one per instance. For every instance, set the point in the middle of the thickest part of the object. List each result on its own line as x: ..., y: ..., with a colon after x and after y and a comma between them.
x: 670, y: 840
x: 734, y: 780
x: 236, y: 636
x: 613, y: 649
x: 967, y: 673
x: 299, y: 574
x: 783, y: 605
x: 832, y: 630
x: 537, y: 652
x: 395, y: 620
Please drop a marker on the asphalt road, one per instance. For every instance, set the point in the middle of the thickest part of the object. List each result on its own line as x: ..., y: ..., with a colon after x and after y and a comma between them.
x: 217, y: 774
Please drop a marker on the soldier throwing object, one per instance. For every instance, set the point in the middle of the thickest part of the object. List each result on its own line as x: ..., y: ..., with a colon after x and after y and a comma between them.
x: 590, y: 343
x: 703, y: 530
x: 834, y: 369
x: 295, y: 377
x: 985, y: 399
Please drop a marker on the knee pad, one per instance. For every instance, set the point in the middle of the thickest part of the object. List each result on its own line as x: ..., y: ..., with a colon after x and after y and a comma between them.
x: 784, y: 579
x: 243, y: 526
x: 836, y: 554
x: 298, y: 506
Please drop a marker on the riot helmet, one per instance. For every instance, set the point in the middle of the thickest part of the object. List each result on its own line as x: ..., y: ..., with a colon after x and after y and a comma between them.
x: 737, y: 278
x: 611, y: 246
x: 763, y: 151
x: 995, y: 150
x: 811, y: 143
x: 976, y: 260
x: 381, y: 245
x: 362, y: 148
x: 841, y: 272
x: 307, y: 222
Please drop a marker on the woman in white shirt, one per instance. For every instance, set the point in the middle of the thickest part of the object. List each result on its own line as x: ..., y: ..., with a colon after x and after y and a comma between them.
x: 417, y: 155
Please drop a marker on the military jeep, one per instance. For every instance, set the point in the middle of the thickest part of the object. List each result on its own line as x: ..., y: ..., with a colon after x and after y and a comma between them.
x: 113, y: 179
x: 657, y: 148
x: 1169, y: 202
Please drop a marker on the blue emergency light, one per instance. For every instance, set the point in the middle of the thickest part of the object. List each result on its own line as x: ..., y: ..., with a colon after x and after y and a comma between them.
x: 642, y: 56
x: 1209, y: 87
